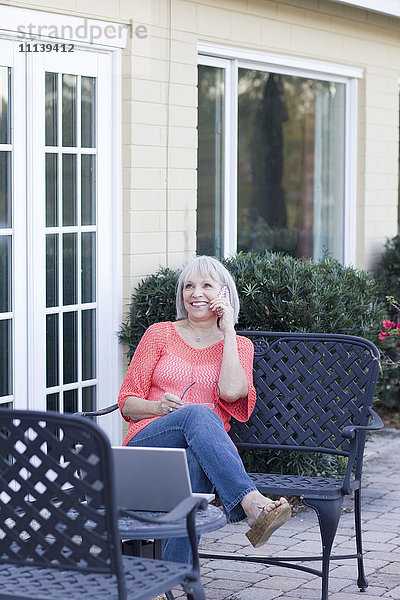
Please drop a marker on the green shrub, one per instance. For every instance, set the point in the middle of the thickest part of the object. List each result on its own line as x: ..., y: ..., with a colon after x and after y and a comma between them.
x: 151, y: 302
x: 294, y: 463
x: 282, y: 293
x: 388, y: 275
x: 277, y: 293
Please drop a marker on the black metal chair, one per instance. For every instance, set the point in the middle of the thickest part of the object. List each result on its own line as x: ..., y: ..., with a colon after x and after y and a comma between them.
x: 314, y: 394
x: 53, y: 545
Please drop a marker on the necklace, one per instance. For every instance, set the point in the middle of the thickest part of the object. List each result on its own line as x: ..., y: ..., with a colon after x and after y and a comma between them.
x: 198, y: 338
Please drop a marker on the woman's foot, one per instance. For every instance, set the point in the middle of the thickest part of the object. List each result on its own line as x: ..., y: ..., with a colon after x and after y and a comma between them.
x: 254, y: 502
x: 264, y: 516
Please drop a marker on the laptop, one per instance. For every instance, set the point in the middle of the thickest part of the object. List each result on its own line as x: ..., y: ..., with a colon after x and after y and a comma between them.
x: 152, y: 479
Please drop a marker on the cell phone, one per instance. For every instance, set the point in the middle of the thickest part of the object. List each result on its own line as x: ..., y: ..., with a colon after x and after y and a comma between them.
x: 223, y: 293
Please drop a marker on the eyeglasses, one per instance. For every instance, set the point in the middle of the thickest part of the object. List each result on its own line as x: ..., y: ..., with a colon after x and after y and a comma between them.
x: 208, y: 404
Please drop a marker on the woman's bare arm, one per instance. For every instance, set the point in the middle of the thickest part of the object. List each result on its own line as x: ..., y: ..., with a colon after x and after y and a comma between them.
x: 138, y: 408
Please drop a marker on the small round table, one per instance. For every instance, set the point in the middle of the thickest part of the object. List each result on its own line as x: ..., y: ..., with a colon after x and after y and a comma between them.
x: 136, y: 533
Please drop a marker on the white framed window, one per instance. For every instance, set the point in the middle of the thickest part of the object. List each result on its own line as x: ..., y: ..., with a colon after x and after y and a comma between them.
x: 277, y: 154
x: 60, y: 224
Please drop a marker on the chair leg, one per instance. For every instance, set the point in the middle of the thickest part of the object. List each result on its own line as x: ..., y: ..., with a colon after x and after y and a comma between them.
x: 194, y: 590
x: 328, y: 512
x: 362, y: 581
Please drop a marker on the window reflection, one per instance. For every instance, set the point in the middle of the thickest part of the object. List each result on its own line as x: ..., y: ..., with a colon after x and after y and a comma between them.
x: 210, y: 216
x: 5, y: 105
x: 290, y: 177
x: 5, y: 273
x: 291, y: 149
x: 69, y: 110
x: 6, y: 380
x: 5, y: 189
x: 88, y: 91
x: 51, y: 109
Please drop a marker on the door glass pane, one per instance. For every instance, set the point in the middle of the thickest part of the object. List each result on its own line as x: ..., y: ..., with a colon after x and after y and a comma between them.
x: 69, y: 191
x: 290, y: 164
x: 89, y: 398
x: 51, y: 190
x: 51, y: 95
x: 70, y: 401
x: 88, y: 344
x: 53, y: 402
x: 70, y: 347
x: 69, y: 268
x: 88, y: 186
x: 52, y: 364
x: 52, y: 270
x: 5, y: 105
x: 88, y: 94
x: 6, y: 383
x: 5, y: 189
x: 88, y: 267
x: 5, y: 273
x: 210, y: 217
x: 69, y: 110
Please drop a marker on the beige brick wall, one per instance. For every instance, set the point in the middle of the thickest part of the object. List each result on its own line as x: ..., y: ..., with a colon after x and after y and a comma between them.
x: 160, y: 112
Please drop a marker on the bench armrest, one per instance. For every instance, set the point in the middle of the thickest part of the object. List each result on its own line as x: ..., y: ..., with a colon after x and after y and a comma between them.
x: 350, y: 431
x: 98, y: 413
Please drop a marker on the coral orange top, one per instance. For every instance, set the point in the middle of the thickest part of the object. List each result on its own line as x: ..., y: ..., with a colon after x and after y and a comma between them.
x: 164, y: 362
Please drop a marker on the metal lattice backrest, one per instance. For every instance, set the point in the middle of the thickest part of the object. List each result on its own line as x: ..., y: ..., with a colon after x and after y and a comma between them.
x: 309, y: 386
x: 44, y: 475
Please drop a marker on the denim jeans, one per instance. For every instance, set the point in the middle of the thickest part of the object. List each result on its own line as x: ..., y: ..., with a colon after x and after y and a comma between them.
x: 212, y: 458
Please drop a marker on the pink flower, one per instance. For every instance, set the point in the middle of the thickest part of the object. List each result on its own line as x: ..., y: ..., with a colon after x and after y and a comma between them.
x: 388, y: 324
x: 383, y: 335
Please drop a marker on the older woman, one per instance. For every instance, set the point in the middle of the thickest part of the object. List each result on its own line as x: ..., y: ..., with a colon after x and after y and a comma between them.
x: 185, y: 381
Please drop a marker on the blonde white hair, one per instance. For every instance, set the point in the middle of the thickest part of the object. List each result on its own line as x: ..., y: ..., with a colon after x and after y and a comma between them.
x: 207, y: 267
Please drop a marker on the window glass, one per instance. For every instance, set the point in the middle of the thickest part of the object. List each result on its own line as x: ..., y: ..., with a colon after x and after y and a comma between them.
x: 5, y: 188
x: 88, y: 192
x: 6, y: 382
x: 51, y: 190
x: 5, y: 273
x: 51, y: 99
x: 290, y: 164
x: 69, y: 116
x: 88, y: 122
x: 210, y: 217
x: 69, y: 183
x: 5, y: 105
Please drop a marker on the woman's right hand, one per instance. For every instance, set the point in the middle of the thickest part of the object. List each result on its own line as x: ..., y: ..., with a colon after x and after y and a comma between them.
x: 169, y: 403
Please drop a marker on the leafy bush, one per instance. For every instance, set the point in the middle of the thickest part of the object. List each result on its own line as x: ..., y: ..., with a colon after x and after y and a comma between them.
x: 151, y: 302
x: 277, y: 293
x: 293, y: 463
x: 388, y: 275
x: 282, y: 293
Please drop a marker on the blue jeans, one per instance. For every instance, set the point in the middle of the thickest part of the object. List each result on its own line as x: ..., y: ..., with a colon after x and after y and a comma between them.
x: 212, y: 458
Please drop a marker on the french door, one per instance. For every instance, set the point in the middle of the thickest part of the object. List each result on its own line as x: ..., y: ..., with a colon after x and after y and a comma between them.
x: 59, y: 262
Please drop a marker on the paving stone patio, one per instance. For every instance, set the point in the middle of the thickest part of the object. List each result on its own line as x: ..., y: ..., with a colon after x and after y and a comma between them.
x: 229, y: 580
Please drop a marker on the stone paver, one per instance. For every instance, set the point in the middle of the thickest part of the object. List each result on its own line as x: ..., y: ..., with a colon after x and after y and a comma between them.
x: 231, y: 580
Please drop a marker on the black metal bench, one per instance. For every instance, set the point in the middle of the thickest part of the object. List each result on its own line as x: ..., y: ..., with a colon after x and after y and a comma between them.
x: 314, y: 394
